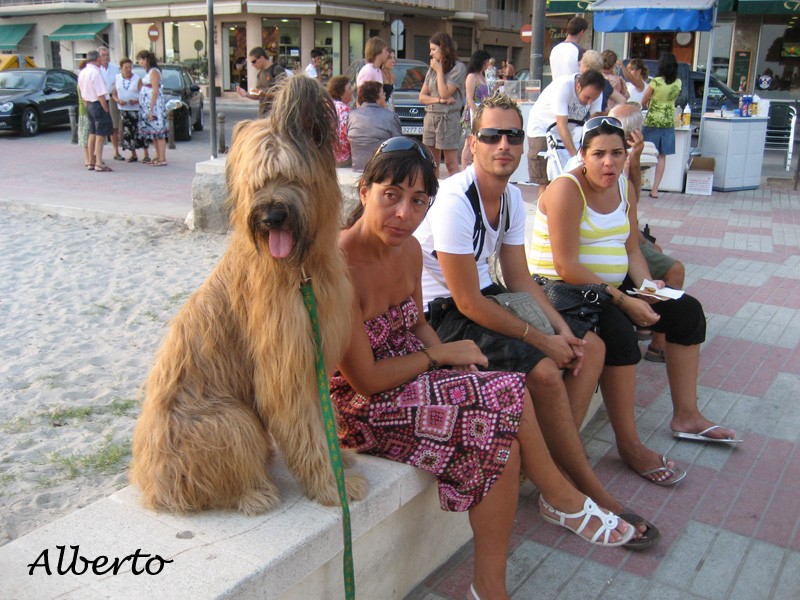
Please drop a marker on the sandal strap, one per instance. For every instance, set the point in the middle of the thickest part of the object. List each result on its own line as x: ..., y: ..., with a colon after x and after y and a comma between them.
x: 608, y: 521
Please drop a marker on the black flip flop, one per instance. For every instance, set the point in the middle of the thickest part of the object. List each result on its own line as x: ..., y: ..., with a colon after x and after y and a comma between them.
x: 650, y: 537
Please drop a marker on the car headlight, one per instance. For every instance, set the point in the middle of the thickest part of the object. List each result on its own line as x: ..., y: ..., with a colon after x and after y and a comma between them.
x: 174, y: 104
x: 6, y: 106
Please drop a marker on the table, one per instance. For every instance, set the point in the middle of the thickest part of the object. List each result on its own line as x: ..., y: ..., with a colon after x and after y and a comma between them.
x: 675, y: 167
x: 737, y: 146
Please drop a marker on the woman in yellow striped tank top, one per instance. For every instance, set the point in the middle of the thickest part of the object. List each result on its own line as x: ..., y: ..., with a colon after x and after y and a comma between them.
x: 586, y: 231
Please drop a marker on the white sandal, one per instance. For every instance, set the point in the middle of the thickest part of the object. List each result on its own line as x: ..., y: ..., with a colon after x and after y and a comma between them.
x: 608, y: 522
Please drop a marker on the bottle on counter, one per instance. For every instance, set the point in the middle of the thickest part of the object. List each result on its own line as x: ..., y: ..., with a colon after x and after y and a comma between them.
x: 722, y: 110
x: 687, y: 115
x: 754, y: 106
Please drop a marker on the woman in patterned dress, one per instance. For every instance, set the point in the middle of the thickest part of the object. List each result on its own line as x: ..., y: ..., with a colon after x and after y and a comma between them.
x: 474, y: 431
x: 152, y: 109
x: 341, y: 90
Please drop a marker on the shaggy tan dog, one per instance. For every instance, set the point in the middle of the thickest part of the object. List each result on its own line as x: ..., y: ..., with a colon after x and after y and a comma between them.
x: 237, y: 368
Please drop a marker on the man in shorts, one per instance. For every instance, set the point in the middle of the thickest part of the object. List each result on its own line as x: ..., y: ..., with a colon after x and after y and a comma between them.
x: 95, y: 96
x: 458, y: 235
x: 573, y: 97
x: 110, y: 72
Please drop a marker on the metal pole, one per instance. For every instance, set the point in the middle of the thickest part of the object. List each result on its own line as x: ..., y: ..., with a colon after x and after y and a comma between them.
x: 212, y: 105
x: 537, y: 39
x: 708, y: 78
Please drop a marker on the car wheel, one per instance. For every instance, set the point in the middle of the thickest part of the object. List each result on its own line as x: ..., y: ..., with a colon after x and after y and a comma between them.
x: 201, y: 120
x: 30, y: 122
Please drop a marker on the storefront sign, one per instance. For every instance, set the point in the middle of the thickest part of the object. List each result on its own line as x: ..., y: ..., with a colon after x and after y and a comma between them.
x: 741, y: 71
x: 153, y: 33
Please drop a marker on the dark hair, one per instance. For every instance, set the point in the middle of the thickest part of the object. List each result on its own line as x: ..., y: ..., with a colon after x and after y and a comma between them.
x: 592, y: 79
x: 668, y: 67
x: 317, y: 52
x: 576, y: 25
x: 373, y: 47
x: 476, y: 61
x: 496, y: 100
x: 445, y: 42
x: 395, y: 167
x: 337, y: 85
x: 149, y: 57
x: 369, y: 91
x: 602, y: 129
x: 609, y: 59
x: 638, y: 64
x: 258, y: 52
x: 124, y: 62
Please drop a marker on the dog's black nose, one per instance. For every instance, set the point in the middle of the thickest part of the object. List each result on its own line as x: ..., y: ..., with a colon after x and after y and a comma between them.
x: 275, y: 216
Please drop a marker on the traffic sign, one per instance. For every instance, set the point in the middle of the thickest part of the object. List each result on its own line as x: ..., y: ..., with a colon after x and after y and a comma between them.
x: 525, y: 33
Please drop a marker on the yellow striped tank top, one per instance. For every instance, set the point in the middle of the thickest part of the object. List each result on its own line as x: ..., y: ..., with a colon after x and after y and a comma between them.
x: 602, y: 240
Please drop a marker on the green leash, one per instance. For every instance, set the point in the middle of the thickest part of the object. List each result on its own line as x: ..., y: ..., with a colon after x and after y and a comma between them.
x: 333, y: 440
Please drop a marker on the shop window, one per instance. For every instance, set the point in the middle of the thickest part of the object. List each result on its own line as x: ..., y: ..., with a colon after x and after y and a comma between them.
x: 281, y: 40
x: 185, y: 42
x: 234, y: 49
x: 356, y: 42
x: 138, y: 41
x: 328, y: 37
x: 778, y: 66
x: 721, y: 53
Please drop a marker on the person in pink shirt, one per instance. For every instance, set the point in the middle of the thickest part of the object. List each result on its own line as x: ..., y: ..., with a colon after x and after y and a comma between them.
x: 94, y: 94
x: 376, y: 52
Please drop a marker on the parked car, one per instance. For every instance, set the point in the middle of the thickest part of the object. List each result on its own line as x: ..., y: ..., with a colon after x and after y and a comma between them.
x: 692, y: 83
x: 183, y: 97
x: 34, y: 98
x: 409, y: 75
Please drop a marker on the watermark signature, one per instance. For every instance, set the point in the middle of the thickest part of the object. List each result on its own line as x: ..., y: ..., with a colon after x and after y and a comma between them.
x: 140, y: 563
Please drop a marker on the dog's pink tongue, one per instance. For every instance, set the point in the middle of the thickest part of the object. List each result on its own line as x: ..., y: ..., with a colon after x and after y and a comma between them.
x: 280, y: 243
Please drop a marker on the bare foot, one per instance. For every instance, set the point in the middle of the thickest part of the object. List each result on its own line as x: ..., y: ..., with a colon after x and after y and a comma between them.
x: 700, y: 423
x: 647, y: 463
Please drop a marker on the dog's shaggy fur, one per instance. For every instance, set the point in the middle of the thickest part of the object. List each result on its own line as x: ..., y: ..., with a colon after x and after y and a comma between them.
x: 237, y: 368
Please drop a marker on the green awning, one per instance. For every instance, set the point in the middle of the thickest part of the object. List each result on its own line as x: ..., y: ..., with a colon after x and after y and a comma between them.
x: 80, y: 31
x: 568, y: 6
x: 11, y: 35
x: 582, y: 6
x: 768, y: 7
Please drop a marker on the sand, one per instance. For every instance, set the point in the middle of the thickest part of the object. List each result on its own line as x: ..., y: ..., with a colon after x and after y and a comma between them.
x: 85, y: 303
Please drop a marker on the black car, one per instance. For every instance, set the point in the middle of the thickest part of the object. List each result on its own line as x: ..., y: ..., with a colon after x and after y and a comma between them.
x: 182, y: 96
x: 34, y: 98
x: 692, y: 84
x: 409, y: 75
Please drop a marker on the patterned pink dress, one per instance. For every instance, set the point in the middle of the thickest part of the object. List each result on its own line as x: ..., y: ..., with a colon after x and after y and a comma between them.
x: 458, y: 425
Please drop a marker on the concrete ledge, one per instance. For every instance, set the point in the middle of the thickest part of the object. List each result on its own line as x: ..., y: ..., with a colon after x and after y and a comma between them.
x: 292, y: 552
x: 209, y: 191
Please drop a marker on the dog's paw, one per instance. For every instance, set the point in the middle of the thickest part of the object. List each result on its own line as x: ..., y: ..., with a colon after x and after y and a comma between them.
x: 357, y: 486
x: 259, y: 500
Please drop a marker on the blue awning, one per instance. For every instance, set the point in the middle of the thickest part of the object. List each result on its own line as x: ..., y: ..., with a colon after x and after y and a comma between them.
x: 655, y: 15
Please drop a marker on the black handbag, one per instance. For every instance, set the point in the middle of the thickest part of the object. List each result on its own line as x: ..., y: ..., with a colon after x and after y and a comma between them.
x: 580, y: 304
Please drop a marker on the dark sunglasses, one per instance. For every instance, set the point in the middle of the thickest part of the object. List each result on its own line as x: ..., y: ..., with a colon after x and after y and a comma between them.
x: 253, y: 61
x: 400, y: 144
x: 491, y: 135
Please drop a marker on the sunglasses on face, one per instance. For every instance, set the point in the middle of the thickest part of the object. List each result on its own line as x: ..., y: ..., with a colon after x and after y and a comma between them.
x: 400, y: 144
x: 491, y: 135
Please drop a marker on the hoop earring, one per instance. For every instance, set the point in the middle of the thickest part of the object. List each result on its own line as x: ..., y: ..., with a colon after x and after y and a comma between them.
x: 583, y: 170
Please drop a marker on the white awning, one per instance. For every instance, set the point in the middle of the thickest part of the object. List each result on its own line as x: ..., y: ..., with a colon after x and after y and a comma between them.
x: 353, y: 12
x: 282, y: 8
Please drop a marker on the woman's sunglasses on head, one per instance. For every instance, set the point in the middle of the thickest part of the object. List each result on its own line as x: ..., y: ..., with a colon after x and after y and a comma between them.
x: 492, y: 135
